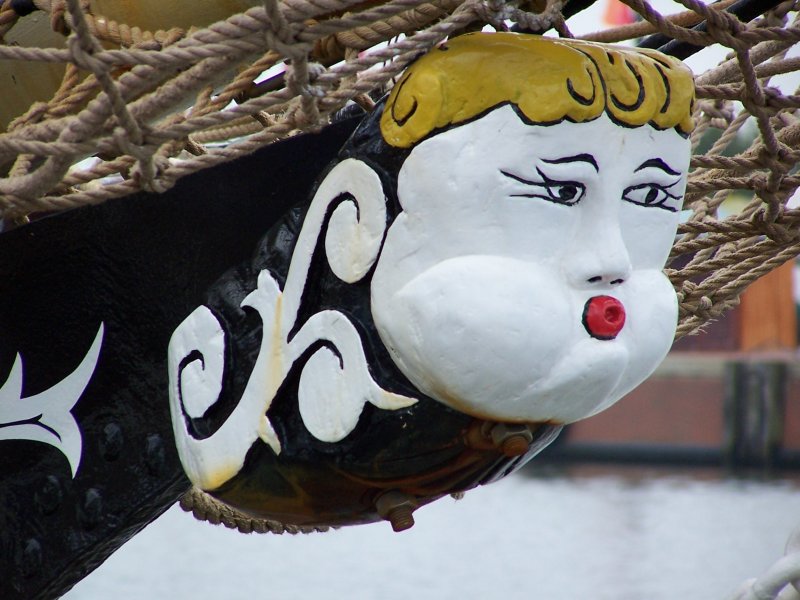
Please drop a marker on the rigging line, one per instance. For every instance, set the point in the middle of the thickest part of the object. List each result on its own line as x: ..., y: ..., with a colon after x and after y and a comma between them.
x: 744, y: 10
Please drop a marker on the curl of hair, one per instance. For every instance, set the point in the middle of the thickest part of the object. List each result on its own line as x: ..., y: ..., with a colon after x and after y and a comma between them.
x: 548, y: 80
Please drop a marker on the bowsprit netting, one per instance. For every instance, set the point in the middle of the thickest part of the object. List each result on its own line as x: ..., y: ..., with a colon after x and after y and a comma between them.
x: 154, y: 106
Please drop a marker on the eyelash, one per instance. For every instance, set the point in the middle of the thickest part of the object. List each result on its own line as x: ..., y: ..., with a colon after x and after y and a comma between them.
x: 550, y: 186
x: 662, y: 196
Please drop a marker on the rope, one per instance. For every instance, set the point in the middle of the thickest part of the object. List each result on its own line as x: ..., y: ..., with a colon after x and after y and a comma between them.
x: 141, y: 99
x: 780, y: 581
x: 206, y: 508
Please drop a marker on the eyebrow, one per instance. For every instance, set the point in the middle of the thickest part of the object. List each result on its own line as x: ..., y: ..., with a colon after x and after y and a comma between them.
x: 658, y: 164
x: 587, y: 158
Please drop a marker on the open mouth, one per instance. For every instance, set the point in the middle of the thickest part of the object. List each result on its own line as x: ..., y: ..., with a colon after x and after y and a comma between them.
x: 603, y: 317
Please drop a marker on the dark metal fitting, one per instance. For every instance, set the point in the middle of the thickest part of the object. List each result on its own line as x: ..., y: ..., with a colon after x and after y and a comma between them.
x: 478, y: 436
x: 513, y: 440
x: 397, y: 508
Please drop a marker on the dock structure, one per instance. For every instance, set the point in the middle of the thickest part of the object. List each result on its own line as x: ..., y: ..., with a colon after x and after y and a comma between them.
x: 723, y: 409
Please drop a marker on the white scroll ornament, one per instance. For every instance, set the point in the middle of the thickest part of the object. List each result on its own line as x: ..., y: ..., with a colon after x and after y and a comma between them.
x: 335, y: 383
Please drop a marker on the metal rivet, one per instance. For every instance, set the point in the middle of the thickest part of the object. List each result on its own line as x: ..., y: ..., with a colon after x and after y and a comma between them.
x: 154, y: 454
x: 397, y: 508
x: 48, y: 497
x: 515, y: 445
x: 513, y: 440
x: 31, y: 559
x: 111, y: 442
x: 91, y: 509
x: 478, y: 436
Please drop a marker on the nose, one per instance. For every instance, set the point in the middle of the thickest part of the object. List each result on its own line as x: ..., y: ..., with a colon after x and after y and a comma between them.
x: 600, y: 257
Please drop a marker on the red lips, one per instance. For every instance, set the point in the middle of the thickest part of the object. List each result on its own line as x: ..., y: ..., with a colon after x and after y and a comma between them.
x: 603, y: 317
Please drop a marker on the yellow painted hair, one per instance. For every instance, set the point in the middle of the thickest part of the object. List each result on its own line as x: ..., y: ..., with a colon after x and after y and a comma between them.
x: 547, y: 79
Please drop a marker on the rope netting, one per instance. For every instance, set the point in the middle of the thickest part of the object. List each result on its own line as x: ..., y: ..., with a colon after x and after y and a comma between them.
x: 153, y: 106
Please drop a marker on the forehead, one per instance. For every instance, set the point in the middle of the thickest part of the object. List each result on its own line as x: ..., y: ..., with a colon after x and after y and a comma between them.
x: 501, y: 135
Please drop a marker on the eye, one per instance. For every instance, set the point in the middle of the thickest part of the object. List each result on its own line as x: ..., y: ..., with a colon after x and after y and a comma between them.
x: 552, y: 190
x: 567, y: 193
x: 652, y: 195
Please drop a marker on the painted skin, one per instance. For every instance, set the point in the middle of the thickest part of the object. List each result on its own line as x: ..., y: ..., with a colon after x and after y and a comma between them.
x: 481, y: 286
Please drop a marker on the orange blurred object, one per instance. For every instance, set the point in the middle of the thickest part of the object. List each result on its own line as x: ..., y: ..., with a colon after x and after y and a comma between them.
x: 617, y: 13
x: 767, y: 317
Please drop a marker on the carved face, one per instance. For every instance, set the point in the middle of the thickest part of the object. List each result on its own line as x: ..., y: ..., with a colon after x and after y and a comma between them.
x: 522, y: 280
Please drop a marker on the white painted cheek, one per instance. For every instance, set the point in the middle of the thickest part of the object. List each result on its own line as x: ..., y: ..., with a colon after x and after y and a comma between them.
x: 529, y: 229
x: 474, y: 330
x: 409, y: 248
x: 648, y: 234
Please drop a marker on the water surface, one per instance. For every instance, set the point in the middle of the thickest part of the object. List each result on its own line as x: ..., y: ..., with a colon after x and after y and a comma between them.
x: 624, y: 534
